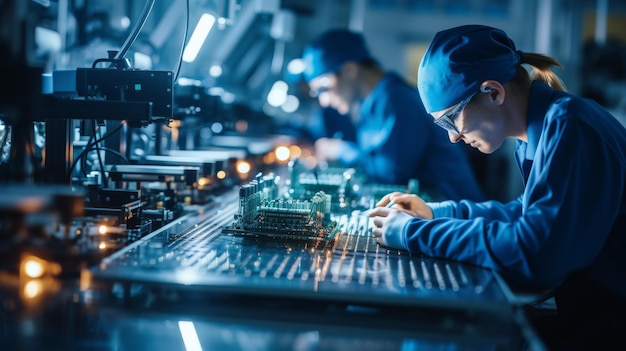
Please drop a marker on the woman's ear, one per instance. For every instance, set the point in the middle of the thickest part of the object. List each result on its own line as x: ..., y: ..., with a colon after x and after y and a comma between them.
x: 494, y: 89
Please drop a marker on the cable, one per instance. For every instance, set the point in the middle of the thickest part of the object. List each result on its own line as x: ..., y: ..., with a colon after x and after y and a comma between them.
x: 111, y: 151
x: 81, y: 155
x: 83, y: 161
x: 5, y: 139
x: 97, y: 147
x: 30, y: 150
x: 182, y: 48
x: 135, y: 32
x: 90, y: 145
x: 116, y: 153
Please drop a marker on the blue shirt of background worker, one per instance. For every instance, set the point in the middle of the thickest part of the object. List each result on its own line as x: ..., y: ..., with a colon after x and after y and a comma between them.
x: 567, y: 231
x: 326, y: 122
x: 396, y: 139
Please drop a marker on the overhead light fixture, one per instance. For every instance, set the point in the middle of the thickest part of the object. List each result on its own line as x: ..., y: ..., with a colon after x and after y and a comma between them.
x: 198, y: 36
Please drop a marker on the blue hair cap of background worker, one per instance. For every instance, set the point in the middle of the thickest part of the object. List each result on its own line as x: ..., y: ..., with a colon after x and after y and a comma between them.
x: 328, y: 52
x: 460, y: 59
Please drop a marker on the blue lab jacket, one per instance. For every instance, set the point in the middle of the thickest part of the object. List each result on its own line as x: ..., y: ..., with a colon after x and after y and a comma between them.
x: 397, y: 140
x: 571, y: 218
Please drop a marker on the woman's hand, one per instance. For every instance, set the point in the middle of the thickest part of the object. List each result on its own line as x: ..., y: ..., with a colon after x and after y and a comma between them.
x: 409, y: 203
x: 392, y: 213
x: 388, y: 225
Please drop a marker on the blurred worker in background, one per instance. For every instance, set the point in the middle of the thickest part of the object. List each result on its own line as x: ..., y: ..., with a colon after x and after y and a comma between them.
x: 567, y: 232
x: 395, y: 140
x: 329, y: 123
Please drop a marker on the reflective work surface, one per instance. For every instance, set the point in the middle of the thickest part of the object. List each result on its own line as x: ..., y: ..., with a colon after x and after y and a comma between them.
x: 163, y: 319
x: 189, y: 286
x: 351, y: 269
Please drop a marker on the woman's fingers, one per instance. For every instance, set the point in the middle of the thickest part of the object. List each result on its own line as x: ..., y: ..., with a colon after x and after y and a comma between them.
x: 385, y: 200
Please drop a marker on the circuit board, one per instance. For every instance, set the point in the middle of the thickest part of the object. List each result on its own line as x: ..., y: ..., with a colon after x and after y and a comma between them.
x: 203, y: 253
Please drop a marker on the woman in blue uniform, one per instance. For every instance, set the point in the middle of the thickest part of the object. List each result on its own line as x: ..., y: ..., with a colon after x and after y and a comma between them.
x: 567, y: 231
x: 396, y: 139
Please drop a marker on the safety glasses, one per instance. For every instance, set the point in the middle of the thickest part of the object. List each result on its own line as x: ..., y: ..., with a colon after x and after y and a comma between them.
x: 446, y: 121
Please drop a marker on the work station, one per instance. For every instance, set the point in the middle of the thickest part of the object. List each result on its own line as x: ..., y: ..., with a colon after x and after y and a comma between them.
x: 266, y: 174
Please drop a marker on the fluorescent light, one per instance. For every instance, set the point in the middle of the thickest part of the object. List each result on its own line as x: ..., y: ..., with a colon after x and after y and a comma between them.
x: 296, y: 66
x: 198, y: 36
x: 291, y: 104
x: 215, y: 71
x: 278, y: 94
x: 190, y: 338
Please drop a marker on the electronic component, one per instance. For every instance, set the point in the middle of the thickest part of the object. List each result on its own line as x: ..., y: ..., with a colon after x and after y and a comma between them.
x: 344, y: 183
x: 350, y: 188
x: 260, y: 213
x: 210, y: 256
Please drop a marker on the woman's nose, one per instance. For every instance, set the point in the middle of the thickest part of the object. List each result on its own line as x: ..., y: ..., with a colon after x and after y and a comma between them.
x: 454, y: 137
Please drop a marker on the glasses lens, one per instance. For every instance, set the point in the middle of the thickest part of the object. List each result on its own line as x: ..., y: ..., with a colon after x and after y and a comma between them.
x: 446, y: 121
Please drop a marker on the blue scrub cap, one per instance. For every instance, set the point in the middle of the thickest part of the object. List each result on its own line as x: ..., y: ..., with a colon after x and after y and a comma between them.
x: 460, y: 59
x: 328, y: 52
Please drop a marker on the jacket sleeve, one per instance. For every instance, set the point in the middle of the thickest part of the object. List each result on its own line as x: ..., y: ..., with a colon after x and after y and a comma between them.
x: 464, y: 209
